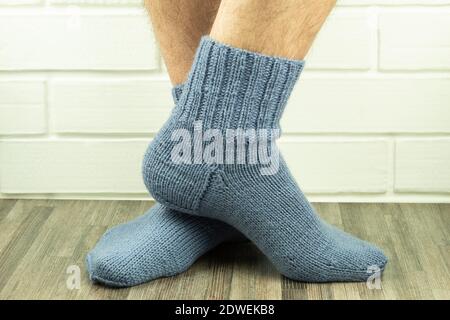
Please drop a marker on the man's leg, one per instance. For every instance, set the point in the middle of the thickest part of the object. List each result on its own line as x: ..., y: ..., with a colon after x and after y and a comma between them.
x: 162, y: 242
x: 178, y: 26
x: 241, y: 79
x: 278, y: 28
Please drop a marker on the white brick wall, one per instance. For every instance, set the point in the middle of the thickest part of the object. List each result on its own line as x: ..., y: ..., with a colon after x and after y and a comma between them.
x: 82, y: 91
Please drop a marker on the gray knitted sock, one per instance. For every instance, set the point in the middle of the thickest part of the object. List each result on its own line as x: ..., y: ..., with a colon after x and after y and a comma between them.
x: 229, y: 89
x: 161, y: 243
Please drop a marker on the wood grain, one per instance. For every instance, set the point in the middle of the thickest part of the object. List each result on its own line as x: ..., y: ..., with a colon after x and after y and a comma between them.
x: 40, y: 239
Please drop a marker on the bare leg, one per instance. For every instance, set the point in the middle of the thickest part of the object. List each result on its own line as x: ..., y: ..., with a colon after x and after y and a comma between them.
x: 178, y: 26
x: 280, y: 28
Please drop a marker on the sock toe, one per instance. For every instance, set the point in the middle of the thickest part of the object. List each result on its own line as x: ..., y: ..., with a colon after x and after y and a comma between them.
x: 356, y: 260
x: 364, y: 256
x: 100, y: 271
x: 340, y: 257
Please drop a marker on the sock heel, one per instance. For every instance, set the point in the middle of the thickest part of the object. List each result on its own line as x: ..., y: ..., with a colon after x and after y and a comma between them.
x: 175, y: 185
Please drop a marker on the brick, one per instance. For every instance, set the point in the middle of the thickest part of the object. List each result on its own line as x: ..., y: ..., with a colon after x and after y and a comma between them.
x: 110, y: 106
x: 77, y: 42
x: 369, y: 105
x: 422, y: 165
x: 415, y: 40
x: 338, y: 166
x: 19, y: 2
x: 22, y: 107
x: 342, y: 43
x: 71, y: 166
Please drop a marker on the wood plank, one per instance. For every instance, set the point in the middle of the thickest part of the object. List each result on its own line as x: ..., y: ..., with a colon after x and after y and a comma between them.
x: 21, y: 241
x: 254, y: 277
x: 41, y: 238
x: 6, y: 206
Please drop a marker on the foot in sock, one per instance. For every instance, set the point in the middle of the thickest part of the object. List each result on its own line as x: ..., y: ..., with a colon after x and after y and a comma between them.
x: 160, y: 243
x: 230, y: 88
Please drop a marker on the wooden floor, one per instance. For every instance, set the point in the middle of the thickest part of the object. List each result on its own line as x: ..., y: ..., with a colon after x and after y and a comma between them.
x: 40, y: 239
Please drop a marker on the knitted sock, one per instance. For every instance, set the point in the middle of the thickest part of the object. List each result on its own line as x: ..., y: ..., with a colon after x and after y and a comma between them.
x: 230, y: 88
x: 160, y: 243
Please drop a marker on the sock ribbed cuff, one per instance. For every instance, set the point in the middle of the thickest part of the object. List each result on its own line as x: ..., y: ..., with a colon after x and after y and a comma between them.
x: 237, y: 89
